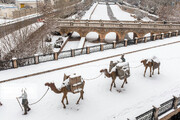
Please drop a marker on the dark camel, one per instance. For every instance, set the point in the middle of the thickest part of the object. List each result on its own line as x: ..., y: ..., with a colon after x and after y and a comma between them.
x: 151, y: 64
x: 113, y: 75
x: 65, y: 91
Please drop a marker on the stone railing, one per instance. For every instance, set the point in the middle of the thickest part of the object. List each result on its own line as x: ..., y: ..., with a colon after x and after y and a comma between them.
x: 14, y: 63
x: 114, y: 21
x: 118, y: 25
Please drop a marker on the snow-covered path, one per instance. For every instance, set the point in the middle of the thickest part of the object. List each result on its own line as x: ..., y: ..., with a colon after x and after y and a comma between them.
x: 100, y: 13
x: 120, y: 14
x: 136, y: 97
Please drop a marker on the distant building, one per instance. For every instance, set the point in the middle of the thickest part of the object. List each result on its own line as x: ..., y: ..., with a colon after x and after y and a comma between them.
x: 32, y: 3
x: 6, y: 10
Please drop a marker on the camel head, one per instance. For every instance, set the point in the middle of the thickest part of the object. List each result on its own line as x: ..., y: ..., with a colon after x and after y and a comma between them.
x: 49, y: 84
x: 103, y: 70
x: 144, y: 61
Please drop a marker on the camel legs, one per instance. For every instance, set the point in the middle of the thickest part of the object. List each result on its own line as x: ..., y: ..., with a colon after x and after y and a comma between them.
x: 158, y: 71
x: 67, y: 100
x: 81, y: 96
x: 150, y: 71
x: 145, y: 71
x: 64, y: 96
x: 113, y: 82
x: 125, y: 81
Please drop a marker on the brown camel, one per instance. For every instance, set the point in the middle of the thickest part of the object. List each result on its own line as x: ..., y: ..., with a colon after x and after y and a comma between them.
x: 151, y: 64
x: 113, y: 75
x: 65, y: 91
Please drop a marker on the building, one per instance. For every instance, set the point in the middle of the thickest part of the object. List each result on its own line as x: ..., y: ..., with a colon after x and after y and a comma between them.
x: 32, y: 3
x: 6, y: 10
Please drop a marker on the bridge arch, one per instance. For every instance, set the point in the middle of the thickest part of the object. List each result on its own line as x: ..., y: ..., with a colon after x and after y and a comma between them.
x: 92, y: 36
x: 130, y: 35
x: 111, y: 36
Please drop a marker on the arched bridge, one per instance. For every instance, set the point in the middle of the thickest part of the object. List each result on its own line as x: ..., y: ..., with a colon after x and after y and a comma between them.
x: 121, y: 28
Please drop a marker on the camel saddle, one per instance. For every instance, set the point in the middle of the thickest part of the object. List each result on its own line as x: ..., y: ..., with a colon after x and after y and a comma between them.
x: 74, y: 83
x: 123, y: 70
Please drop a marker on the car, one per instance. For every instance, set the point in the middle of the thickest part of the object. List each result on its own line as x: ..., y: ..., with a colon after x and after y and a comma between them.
x: 55, y: 33
x: 58, y: 42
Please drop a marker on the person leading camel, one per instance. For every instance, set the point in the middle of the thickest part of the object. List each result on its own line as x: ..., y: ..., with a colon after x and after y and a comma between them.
x: 122, y: 58
x: 24, y: 101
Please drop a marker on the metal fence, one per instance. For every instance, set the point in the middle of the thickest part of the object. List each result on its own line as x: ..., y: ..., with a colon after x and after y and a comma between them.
x: 146, y: 116
x: 25, y: 61
x: 4, y: 65
x: 95, y: 48
x: 66, y: 54
x: 46, y: 57
x: 164, y: 107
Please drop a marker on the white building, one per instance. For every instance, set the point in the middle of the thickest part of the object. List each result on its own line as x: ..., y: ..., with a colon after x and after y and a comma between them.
x: 31, y: 3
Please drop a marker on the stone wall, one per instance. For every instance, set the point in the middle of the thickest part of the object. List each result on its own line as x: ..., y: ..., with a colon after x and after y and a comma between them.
x: 136, y: 10
x: 23, y: 12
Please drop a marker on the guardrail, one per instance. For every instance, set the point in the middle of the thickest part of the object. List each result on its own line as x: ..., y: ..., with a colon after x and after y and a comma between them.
x: 155, y: 112
x: 20, y: 62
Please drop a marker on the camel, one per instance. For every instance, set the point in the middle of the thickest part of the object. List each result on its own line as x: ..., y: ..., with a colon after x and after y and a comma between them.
x: 152, y: 63
x: 113, y: 75
x: 65, y: 91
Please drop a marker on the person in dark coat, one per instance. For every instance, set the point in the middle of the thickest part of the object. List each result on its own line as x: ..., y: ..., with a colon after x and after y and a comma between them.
x: 122, y: 58
x: 0, y: 104
x: 25, y: 102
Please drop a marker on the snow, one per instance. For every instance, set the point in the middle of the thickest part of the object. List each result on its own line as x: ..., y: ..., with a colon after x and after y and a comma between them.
x: 99, y: 103
x: 71, y: 45
x: 121, y: 64
x: 11, y: 21
x: 92, y: 36
x: 88, y: 13
x: 100, y: 13
x: 110, y: 37
x: 120, y: 14
x: 81, y: 43
x: 65, y: 83
x: 11, y: 40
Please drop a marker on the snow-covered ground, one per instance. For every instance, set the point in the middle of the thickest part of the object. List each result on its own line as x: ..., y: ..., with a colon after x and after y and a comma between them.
x: 10, y: 41
x: 10, y: 21
x: 100, y: 13
x: 120, y: 14
x: 99, y: 103
x: 89, y: 12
